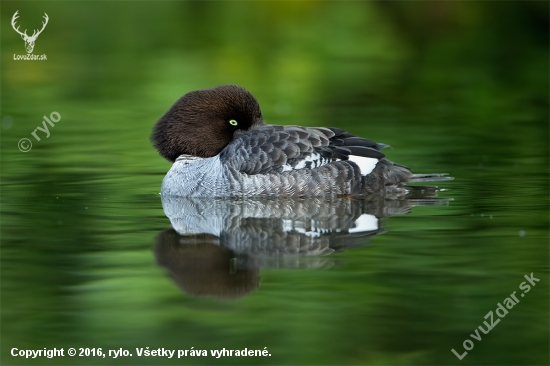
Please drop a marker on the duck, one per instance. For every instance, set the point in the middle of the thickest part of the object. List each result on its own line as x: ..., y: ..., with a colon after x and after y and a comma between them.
x: 221, y: 147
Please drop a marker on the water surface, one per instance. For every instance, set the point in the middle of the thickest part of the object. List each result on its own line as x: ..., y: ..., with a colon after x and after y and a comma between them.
x: 91, y: 259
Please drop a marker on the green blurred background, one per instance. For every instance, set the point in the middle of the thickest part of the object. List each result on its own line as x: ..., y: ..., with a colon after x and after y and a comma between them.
x: 454, y: 86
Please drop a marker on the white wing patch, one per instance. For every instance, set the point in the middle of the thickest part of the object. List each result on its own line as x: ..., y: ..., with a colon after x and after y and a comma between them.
x: 365, y: 164
x: 310, y: 158
x: 312, y: 161
x: 365, y: 222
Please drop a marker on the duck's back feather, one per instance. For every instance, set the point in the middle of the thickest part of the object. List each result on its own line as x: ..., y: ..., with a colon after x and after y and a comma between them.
x: 277, y: 149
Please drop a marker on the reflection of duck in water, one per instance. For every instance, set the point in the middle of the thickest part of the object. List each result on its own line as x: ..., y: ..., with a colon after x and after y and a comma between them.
x: 201, y: 267
x: 221, y: 147
x: 216, y: 247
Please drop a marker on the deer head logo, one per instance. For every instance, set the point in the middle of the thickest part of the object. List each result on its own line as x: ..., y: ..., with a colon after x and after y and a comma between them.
x: 29, y: 41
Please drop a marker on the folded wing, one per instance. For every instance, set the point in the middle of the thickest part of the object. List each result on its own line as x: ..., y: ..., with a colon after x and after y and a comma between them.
x: 276, y: 149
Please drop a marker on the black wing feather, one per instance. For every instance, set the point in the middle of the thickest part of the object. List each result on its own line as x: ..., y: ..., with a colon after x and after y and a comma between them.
x: 366, y: 152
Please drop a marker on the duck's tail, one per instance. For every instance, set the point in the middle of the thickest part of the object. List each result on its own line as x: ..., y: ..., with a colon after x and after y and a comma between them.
x: 429, y: 178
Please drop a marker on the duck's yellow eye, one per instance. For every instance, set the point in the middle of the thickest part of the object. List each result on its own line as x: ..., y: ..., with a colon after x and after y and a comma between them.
x: 233, y: 122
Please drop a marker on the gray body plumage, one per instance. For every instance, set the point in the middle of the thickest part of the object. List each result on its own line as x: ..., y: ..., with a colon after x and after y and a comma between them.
x: 286, y: 161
